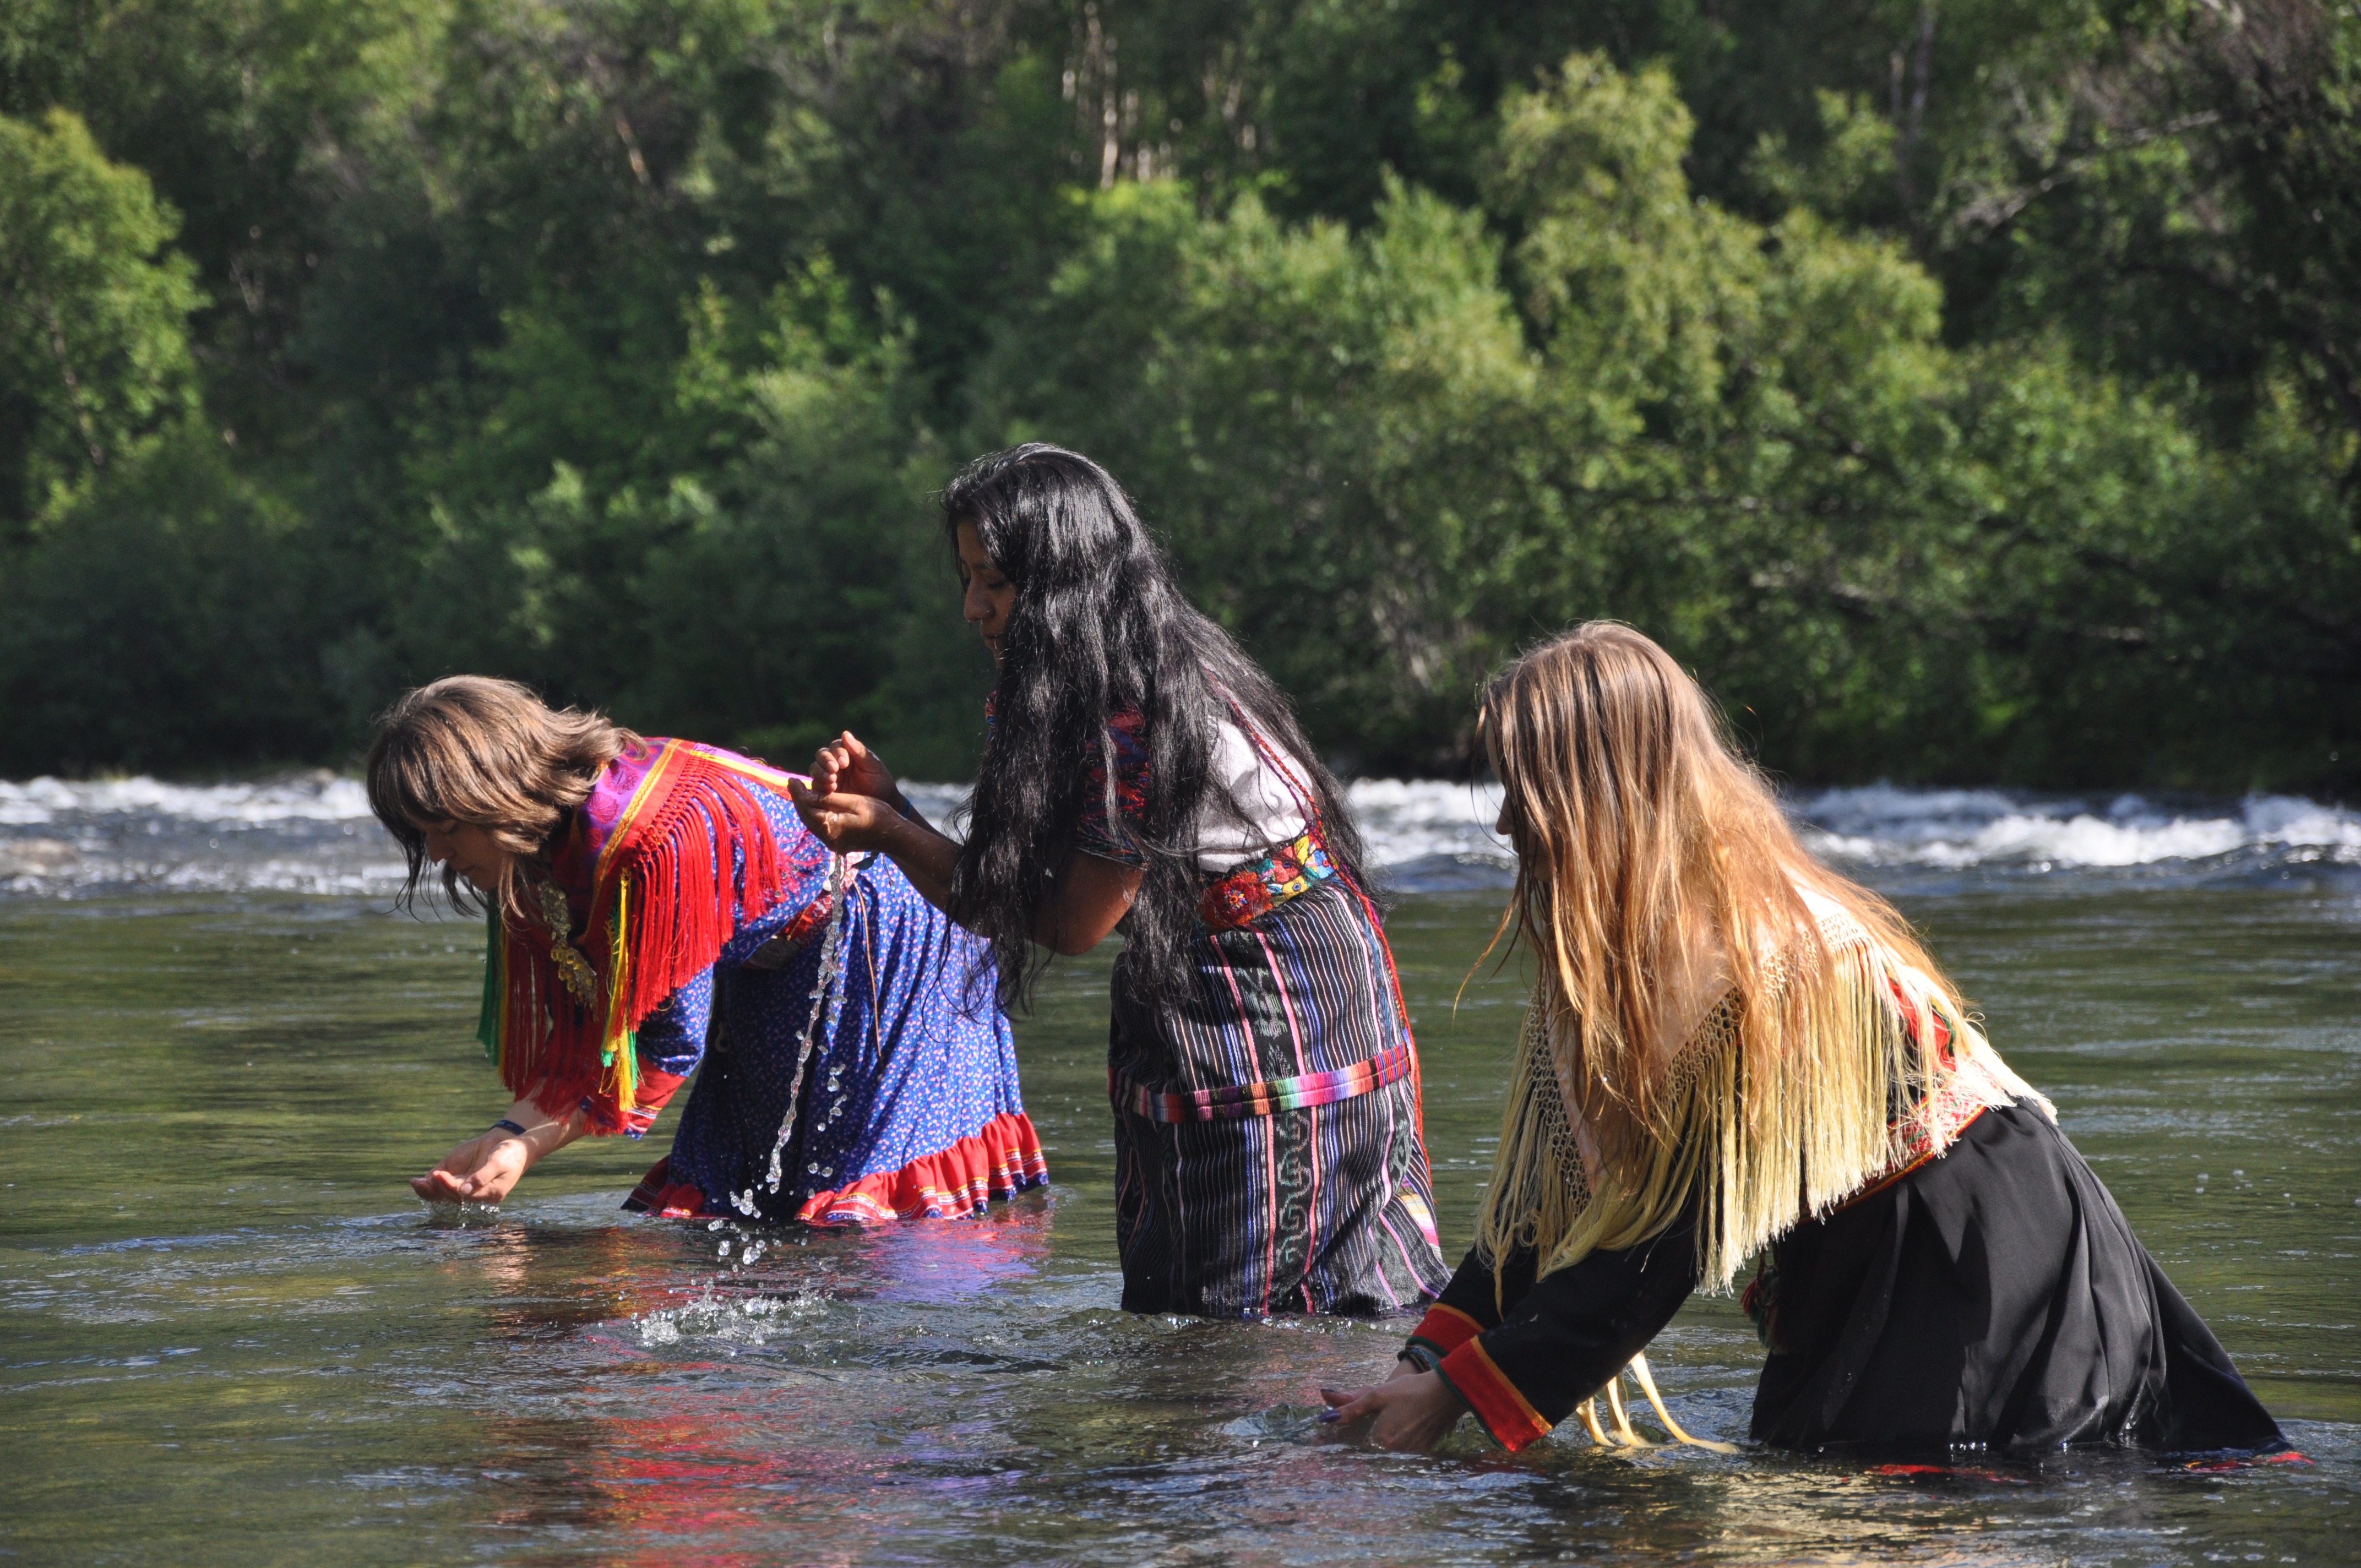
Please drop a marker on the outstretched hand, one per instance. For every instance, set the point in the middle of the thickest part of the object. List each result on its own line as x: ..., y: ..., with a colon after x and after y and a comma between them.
x: 845, y: 766
x: 484, y: 1169
x: 848, y: 823
x: 852, y: 803
x: 1409, y: 1412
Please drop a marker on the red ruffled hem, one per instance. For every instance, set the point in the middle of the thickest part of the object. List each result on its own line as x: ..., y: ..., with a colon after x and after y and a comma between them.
x: 1000, y: 1161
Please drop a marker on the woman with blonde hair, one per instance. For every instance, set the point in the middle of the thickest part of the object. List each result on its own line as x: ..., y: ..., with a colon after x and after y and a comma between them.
x: 656, y: 905
x: 1734, y: 1053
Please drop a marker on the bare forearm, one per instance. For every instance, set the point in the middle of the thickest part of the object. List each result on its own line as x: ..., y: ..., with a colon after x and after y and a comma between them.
x: 1091, y: 895
x: 487, y: 1167
x: 543, y: 1133
x: 1090, y: 899
x: 925, y: 857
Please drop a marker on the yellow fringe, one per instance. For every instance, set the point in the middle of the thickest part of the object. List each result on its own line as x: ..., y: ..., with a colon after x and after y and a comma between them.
x: 1763, y: 1130
x: 1624, y: 1435
x: 619, y: 1052
x: 1638, y: 1368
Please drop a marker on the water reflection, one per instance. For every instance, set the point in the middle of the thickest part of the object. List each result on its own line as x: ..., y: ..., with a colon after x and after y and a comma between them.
x: 834, y: 1402
x: 224, y: 1325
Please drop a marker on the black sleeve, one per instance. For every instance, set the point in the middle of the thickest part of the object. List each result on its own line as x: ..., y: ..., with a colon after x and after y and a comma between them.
x: 1471, y: 1303
x: 1472, y: 1290
x: 1564, y: 1335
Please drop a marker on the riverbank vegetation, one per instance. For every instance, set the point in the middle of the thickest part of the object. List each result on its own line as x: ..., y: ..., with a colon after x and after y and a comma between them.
x: 1968, y: 390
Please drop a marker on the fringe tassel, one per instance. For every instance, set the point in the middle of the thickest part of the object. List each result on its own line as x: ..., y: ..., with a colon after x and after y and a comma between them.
x: 1763, y: 1130
x: 496, y: 971
x: 691, y: 900
x: 619, y: 1052
x: 676, y: 901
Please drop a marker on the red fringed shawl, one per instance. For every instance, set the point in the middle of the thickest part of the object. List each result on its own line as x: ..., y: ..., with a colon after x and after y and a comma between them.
x: 654, y: 894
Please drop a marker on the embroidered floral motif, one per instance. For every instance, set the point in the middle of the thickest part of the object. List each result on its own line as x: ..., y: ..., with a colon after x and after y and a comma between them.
x: 1252, y: 890
x: 1100, y: 833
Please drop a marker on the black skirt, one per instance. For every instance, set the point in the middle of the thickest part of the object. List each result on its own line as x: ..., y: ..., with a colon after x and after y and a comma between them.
x: 1995, y: 1297
x: 1992, y: 1299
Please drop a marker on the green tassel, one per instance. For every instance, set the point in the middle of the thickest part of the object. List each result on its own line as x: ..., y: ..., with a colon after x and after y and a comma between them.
x: 487, y: 1022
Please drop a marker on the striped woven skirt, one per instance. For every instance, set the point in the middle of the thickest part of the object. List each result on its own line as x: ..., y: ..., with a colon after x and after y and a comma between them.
x: 1268, y: 1156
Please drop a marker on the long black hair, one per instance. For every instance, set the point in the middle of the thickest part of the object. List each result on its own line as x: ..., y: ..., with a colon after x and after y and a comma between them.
x: 1099, y: 628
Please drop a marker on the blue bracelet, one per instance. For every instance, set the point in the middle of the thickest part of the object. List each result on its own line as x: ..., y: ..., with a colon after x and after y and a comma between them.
x: 505, y: 1125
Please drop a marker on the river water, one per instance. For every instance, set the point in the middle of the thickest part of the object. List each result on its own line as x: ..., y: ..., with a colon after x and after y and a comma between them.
x: 228, y: 1333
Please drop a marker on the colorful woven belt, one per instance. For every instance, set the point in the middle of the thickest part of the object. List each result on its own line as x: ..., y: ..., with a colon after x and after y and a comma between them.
x: 1261, y: 884
x: 1238, y: 1104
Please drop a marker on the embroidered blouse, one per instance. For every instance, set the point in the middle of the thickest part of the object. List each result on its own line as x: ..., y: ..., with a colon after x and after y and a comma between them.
x: 1272, y: 808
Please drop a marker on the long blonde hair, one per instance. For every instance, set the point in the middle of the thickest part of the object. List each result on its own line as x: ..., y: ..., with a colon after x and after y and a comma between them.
x: 1650, y: 854
x: 485, y: 751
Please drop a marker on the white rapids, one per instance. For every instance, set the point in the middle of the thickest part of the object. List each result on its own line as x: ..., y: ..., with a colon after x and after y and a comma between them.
x: 312, y: 833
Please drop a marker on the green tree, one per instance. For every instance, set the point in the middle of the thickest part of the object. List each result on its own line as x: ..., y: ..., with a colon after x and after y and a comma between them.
x: 170, y: 618
x: 1325, y: 424
x: 1384, y: 469
x: 93, y: 306
x: 1966, y: 390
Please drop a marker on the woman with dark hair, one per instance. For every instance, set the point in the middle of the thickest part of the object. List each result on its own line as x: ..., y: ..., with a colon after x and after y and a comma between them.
x: 1139, y: 768
x: 656, y: 904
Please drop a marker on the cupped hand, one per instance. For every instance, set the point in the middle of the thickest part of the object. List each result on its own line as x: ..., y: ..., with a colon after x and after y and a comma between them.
x: 846, y: 822
x: 845, y: 766
x: 484, y: 1169
x: 1409, y: 1412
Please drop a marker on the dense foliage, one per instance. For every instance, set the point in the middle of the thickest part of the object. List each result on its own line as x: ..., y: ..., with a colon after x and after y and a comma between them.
x: 1967, y: 390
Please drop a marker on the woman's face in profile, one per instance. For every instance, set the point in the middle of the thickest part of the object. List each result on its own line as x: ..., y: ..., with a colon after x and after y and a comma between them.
x: 466, y: 848
x: 990, y: 595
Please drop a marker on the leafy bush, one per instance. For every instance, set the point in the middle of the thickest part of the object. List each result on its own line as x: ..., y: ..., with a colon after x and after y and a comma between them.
x: 1964, y: 396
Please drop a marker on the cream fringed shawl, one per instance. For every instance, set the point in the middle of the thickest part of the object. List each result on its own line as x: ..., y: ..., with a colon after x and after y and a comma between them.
x: 1761, y: 1132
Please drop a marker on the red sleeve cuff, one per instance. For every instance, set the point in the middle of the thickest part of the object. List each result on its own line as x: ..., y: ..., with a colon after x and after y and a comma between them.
x: 1506, y: 1413
x: 1444, y: 1328
x: 603, y: 1117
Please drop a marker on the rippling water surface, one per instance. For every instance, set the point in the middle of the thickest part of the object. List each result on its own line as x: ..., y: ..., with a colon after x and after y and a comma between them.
x: 227, y: 1333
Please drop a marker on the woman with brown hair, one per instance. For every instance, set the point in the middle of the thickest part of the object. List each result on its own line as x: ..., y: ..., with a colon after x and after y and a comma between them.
x: 1733, y: 1052
x: 657, y: 904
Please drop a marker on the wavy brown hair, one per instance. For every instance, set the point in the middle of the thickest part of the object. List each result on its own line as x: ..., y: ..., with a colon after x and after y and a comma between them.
x: 488, y: 752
